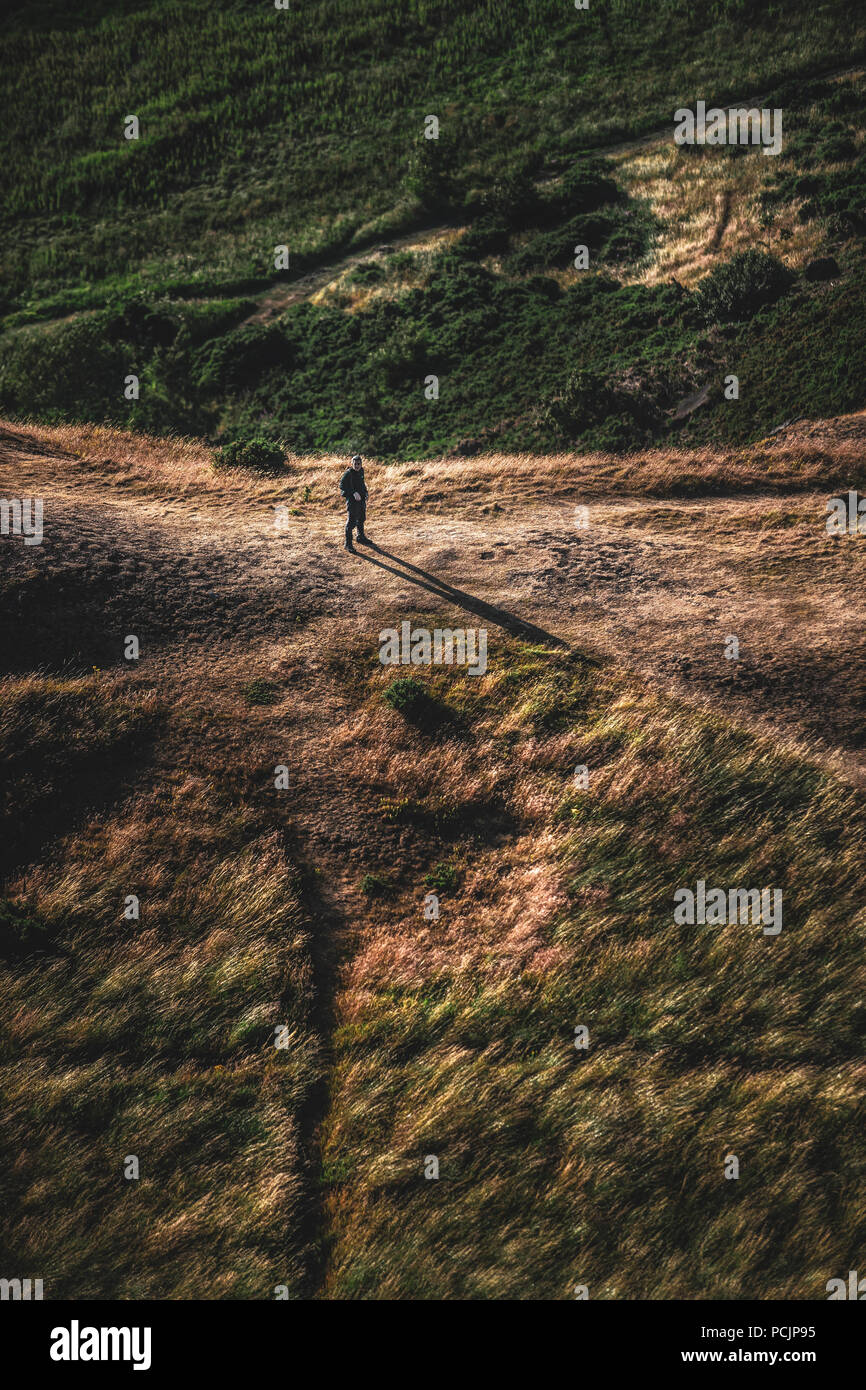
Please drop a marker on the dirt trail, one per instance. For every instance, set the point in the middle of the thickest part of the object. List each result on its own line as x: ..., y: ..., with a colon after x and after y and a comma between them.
x: 658, y: 586
x: 284, y: 293
x: 218, y: 596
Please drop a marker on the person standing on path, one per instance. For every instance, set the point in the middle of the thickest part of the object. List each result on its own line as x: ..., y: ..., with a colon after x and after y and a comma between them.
x: 354, y: 490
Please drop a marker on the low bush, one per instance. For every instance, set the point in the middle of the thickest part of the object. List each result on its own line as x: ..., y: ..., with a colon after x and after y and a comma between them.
x: 743, y: 285
x: 489, y: 235
x: 368, y: 273
x: 405, y: 694
x: 258, y: 455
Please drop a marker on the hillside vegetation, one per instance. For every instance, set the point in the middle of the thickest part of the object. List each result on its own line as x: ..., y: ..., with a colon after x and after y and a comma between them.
x: 240, y: 1056
x: 156, y: 256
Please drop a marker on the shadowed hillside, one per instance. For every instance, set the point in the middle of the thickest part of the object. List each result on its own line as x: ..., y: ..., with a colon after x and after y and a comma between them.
x: 412, y: 1037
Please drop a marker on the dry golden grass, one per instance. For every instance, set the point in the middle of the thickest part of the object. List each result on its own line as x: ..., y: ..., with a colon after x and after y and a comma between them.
x: 710, y: 209
x: 454, y: 1036
x: 154, y: 1037
x: 803, y: 458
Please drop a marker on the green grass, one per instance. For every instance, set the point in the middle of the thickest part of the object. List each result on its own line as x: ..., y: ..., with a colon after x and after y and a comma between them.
x: 276, y: 135
x: 375, y: 885
x: 443, y: 877
x: 260, y: 692
x: 279, y: 105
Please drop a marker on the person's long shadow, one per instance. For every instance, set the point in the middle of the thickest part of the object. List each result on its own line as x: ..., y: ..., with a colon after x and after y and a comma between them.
x: 498, y: 616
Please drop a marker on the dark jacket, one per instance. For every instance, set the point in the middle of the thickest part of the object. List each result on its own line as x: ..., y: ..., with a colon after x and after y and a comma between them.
x: 351, y: 482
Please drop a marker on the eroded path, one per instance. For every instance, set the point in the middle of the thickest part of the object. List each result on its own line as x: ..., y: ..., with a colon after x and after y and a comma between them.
x: 659, y: 586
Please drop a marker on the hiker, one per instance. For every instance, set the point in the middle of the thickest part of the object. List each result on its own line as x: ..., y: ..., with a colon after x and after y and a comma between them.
x: 354, y: 489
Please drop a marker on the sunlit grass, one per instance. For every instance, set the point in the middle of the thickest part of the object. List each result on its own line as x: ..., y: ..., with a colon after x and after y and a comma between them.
x: 605, y: 1167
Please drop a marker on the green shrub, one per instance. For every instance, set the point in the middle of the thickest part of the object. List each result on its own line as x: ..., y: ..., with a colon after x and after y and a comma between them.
x: 444, y: 877
x: 402, y: 262
x: 368, y: 273
x: 842, y: 100
x: 242, y: 358
x: 375, y: 886
x: 20, y: 934
x: 837, y: 145
x: 68, y: 371
x: 407, y: 353
x: 432, y: 174
x: 514, y: 200
x: 258, y: 455
x: 485, y: 237
x: 743, y: 285
x: 406, y: 694
x: 260, y: 692
x: 614, y: 233
x: 587, y: 185
x: 134, y: 320
x: 622, y: 406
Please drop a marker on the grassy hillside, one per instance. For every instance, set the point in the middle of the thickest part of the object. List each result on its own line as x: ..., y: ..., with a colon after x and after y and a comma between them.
x: 151, y: 1038
x: 156, y: 256
x: 455, y: 1038
x: 410, y: 1037
x: 299, y: 125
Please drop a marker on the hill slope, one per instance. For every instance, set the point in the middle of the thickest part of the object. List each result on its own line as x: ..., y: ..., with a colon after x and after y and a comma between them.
x: 451, y: 1037
x: 261, y: 129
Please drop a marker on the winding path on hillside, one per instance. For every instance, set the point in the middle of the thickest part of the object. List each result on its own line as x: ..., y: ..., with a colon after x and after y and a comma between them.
x: 281, y: 294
